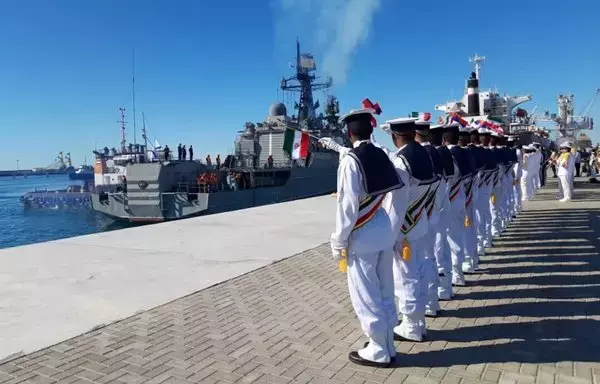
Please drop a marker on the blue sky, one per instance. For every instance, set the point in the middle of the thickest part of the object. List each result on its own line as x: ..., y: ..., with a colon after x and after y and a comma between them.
x: 205, y: 68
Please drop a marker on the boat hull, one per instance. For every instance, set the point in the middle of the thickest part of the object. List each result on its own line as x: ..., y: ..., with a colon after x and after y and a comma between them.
x: 162, y: 206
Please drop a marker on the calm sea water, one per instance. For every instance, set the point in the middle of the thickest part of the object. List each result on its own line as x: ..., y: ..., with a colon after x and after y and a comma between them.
x: 19, y: 226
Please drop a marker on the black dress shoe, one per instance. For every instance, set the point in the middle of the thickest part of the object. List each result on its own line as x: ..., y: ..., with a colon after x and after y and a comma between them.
x: 356, y: 359
x: 392, y: 359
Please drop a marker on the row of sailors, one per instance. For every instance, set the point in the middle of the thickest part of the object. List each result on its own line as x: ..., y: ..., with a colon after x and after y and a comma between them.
x: 412, y: 221
x: 533, y: 168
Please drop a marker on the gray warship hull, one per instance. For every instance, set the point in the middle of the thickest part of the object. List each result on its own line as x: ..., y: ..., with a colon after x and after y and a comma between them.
x: 150, y: 204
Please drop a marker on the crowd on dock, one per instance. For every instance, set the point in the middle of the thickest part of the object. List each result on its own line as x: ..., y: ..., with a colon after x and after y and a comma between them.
x: 413, y: 220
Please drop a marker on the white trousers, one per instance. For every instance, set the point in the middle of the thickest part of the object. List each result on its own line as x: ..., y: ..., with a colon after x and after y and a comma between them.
x: 432, y: 282
x: 443, y: 258
x: 495, y: 210
x: 483, y: 215
x: 536, y: 180
x: 527, y: 185
x: 371, y: 287
x: 456, y: 241
x: 410, y: 282
x: 505, y: 208
x: 471, y: 261
x: 564, y: 187
x: 517, y: 198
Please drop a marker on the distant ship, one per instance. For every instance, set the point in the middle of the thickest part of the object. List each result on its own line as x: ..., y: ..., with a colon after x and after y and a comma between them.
x: 274, y: 161
x: 85, y: 172
x: 487, y: 105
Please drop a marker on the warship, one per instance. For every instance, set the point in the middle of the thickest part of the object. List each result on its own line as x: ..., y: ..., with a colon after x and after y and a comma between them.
x: 274, y: 161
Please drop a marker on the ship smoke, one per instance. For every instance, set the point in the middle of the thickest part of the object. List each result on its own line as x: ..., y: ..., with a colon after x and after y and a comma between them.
x: 337, y: 26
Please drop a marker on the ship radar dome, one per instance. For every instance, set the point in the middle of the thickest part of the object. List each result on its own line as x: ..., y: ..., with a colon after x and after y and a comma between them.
x: 277, y: 109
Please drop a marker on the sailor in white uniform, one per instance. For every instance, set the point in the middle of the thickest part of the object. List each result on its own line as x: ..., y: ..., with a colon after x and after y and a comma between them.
x: 414, y: 164
x: 434, y: 204
x: 518, y: 171
x: 486, y: 189
x: 511, y: 159
x: 476, y: 157
x: 458, y: 198
x: 537, y: 158
x: 528, y: 169
x: 565, y: 167
x: 441, y: 248
x: 365, y: 234
x: 506, y: 184
x: 497, y: 185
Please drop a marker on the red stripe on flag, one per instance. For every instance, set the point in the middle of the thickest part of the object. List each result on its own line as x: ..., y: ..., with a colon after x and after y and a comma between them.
x: 304, y: 140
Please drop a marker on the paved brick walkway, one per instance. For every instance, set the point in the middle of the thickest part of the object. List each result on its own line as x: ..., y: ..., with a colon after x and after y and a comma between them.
x: 530, y: 317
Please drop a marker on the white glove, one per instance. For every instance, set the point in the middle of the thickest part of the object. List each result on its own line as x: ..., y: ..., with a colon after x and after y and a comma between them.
x: 337, y: 254
x: 333, y: 145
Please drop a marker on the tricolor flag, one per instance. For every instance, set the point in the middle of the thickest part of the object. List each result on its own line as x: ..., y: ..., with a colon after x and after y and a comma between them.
x: 456, y: 118
x: 368, y: 104
x: 295, y: 143
x: 422, y: 116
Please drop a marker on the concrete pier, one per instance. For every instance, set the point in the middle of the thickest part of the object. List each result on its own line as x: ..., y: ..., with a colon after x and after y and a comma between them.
x: 281, y: 312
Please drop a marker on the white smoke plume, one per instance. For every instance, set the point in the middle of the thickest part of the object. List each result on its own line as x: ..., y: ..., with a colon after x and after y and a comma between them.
x: 336, y: 26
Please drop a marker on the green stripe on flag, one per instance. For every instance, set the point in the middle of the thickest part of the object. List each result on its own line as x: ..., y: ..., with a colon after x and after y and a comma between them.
x: 288, y: 141
x: 415, y: 114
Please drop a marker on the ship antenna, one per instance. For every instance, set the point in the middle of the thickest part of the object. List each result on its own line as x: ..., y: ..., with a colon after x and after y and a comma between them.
x: 477, y: 60
x: 123, y: 122
x: 133, y: 96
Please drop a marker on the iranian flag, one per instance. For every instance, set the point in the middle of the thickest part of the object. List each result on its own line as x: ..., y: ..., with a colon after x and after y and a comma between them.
x: 295, y: 143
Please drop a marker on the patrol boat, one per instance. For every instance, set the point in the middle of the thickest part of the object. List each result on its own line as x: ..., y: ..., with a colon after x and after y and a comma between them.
x: 274, y: 161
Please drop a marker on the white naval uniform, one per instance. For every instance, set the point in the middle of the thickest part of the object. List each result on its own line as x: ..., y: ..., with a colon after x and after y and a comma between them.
x: 497, y: 189
x: 456, y: 224
x: 536, y: 176
x: 482, y: 212
x: 441, y: 249
x: 409, y: 275
x: 518, y: 170
x: 564, y: 171
x: 370, y: 260
x: 506, y: 186
x: 471, y: 261
x: 432, y: 305
x: 528, y: 170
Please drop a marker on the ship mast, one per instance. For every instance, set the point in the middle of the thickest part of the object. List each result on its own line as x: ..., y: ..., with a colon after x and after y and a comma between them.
x: 133, y: 96
x: 123, y: 122
x: 477, y: 60
x: 304, y: 81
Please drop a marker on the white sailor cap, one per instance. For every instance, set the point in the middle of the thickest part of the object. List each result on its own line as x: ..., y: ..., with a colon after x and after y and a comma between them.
x: 464, y: 130
x: 484, y: 131
x: 452, y: 125
x: 511, y: 138
x: 536, y: 144
x: 566, y: 144
x: 437, y: 126
x: 359, y: 113
x: 529, y: 147
x: 402, y: 124
x: 495, y: 133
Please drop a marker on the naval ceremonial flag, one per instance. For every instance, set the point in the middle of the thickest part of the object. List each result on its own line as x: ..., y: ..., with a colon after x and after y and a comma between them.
x: 295, y: 143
